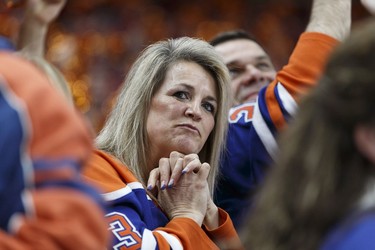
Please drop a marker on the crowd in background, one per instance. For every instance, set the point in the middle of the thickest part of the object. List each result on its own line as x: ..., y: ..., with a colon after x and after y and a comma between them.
x: 95, y: 41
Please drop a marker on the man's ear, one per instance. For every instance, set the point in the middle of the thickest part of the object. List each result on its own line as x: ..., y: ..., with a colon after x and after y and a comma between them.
x: 364, y: 138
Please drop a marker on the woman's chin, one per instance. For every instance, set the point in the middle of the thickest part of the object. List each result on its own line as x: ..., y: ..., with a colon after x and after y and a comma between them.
x: 187, y: 148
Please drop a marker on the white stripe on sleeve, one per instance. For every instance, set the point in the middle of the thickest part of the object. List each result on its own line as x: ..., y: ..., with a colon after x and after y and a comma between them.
x: 264, y: 132
x: 287, y: 99
x: 116, y: 194
x: 172, y: 240
x: 148, y: 240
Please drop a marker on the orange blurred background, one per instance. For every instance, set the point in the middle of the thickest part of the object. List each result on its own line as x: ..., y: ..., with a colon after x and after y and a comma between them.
x: 94, y: 42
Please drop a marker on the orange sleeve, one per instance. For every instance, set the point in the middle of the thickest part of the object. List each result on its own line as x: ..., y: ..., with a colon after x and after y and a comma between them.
x: 193, y: 237
x: 69, y: 220
x: 225, y: 235
x: 306, y: 63
x: 189, y: 233
x: 302, y: 71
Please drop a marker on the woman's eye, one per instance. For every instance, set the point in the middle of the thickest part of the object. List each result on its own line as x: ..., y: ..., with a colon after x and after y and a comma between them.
x: 181, y: 95
x: 209, y: 107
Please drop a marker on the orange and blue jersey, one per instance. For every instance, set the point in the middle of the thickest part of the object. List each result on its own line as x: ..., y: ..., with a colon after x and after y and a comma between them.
x: 43, y: 144
x: 135, y: 220
x: 253, y: 128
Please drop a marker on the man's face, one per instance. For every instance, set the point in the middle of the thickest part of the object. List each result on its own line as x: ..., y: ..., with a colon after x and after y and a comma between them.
x: 250, y: 68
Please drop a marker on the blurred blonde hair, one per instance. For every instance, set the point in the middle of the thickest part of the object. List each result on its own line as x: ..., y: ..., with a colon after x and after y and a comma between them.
x: 54, y: 75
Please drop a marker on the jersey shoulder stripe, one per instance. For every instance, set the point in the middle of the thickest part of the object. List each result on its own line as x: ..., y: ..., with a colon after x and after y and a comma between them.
x: 287, y: 102
x: 107, y: 172
x: 242, y: 113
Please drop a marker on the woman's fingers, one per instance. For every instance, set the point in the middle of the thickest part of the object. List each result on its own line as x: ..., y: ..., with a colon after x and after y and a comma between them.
x: 204, y: 170
x: 189, y: 196
x: 182, y: 164
x: 173, y: 157
x: 191, y: 164
x: 170, y: 169
x: 165, y: 172
x: 153, y: 179
x: 176, y: 173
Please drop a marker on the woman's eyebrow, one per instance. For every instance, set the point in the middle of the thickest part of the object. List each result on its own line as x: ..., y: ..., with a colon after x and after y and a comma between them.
x: 191, y: 88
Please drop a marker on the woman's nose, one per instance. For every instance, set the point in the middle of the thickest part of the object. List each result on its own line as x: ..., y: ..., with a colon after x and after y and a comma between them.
x: 193, y: 110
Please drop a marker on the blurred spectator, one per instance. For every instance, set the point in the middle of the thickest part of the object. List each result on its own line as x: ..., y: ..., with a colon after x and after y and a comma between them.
x: 44, y: 144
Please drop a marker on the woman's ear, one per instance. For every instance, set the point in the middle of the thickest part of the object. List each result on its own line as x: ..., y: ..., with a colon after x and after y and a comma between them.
x: 364, y: 138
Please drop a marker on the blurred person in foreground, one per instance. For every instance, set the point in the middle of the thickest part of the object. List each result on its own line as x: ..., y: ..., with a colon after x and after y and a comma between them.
x: 157, y: 154
x: 32, y: 35
x: 267, y: 99
x: 6, y: 44
x: 321, y: 192
x: 43, y: 144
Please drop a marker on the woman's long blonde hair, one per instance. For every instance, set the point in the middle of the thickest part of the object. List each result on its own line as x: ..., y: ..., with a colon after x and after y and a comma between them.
x: 124, y: 134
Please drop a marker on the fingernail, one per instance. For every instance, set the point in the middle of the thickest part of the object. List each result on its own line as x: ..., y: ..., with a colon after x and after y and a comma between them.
x: 149, y: 187
x: 185, y: 170
x: 170, y: 183
x: 162, y: 186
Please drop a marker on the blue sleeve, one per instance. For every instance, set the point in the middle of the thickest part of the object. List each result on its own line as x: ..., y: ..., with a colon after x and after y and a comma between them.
x: 357, y: 234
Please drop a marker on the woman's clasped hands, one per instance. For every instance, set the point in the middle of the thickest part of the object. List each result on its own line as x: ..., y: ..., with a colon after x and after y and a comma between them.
x: 181, y: 187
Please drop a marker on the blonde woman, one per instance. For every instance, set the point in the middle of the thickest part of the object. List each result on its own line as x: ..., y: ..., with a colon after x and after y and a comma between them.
x: 170, y: 114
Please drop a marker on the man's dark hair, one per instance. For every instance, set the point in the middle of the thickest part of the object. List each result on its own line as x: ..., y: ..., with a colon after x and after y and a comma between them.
x: 231, y: 35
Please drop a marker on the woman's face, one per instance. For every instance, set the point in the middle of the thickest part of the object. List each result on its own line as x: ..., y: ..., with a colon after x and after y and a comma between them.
x: 182, y: 112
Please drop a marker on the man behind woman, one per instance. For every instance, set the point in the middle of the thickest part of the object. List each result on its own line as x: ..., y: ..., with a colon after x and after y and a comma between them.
x: 320, y: 194
x: 255, y: 125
